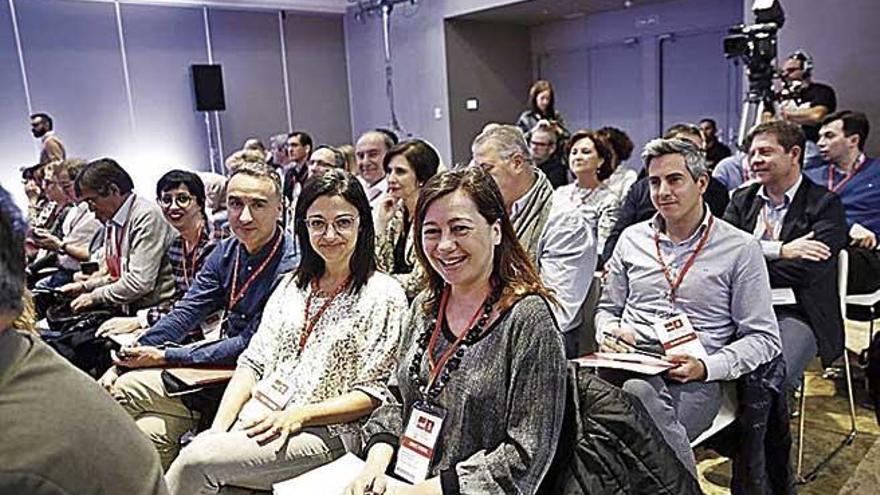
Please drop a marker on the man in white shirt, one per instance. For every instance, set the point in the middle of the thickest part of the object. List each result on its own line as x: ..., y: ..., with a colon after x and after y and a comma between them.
x: 558, y: 239
x: 370, y: 153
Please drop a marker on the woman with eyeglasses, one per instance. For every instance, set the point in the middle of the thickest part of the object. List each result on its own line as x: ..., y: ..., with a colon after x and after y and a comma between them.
x: 181, y: 196
x: 318, y: 362
x: 408, y: 166
x: 476, y: 402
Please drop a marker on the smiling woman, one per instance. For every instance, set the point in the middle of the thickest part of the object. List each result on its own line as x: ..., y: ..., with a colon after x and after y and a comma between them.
x: 318, y: 362
x: 480, y: 349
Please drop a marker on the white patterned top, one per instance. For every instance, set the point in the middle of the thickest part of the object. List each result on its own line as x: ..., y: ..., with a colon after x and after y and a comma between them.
x: 352, y: 346
x: 600, y: 206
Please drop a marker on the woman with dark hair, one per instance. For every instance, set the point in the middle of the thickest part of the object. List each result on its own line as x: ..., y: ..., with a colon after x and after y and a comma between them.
x: 476, y: 402
x: 317, y: 363
x: 181, y: 196
x: 591, y: 159
x: 623, y: 177
x: 542, y: 106
x: 408, y: 166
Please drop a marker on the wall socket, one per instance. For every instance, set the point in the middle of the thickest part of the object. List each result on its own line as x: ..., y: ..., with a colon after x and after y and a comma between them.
x: 438, y: 113
x: 472, y: 104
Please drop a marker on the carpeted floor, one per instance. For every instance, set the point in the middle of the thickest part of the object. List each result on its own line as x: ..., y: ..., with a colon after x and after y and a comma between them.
x: 827, y: 422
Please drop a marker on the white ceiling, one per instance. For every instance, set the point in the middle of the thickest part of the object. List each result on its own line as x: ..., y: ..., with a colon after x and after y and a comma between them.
x: 326, y: 6
x: 534, y: 12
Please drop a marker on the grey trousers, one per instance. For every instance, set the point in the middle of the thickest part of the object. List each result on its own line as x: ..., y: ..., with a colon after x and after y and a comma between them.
x: 680, y: 410
x: 214, y: 461
x: 798, y: 346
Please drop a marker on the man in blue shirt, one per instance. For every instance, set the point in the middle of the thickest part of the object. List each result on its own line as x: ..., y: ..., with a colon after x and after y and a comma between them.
x: 856, y: 179
x: 236, y: 279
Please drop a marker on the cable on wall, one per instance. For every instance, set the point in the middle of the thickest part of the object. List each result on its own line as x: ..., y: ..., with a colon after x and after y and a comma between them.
x: 24, y: 78
x: 125, y: 74
x: 210, y: 49
x: 281, y: 33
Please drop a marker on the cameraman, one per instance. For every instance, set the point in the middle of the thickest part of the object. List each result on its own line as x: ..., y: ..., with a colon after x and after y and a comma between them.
x: 805, y: 102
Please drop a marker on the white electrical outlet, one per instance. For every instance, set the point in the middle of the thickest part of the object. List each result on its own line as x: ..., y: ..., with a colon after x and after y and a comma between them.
x: 472, y: 104
x: 438, y: 113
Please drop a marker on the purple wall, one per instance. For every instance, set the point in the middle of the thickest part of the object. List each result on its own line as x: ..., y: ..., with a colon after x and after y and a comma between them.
x: 842, y: 38
x: 421, y: 61
x: 76, y: 72
x: 484, y: 61
x: 631, y: 74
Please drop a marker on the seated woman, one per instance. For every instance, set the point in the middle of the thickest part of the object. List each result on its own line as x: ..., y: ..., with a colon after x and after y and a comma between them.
x: 481, y: 358
x: 318, y: 362
x: 409, y: 165
x: 181, y: 195
x: 591, y: 160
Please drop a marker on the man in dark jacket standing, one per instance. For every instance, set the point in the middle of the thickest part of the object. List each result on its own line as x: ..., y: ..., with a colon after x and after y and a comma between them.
x: 801, y: 227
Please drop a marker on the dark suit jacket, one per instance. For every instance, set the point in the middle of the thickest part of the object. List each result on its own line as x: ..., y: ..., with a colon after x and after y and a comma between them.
x: 813, y: 209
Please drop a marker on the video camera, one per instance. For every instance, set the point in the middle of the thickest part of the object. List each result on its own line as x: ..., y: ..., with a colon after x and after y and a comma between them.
x: 755, y: 45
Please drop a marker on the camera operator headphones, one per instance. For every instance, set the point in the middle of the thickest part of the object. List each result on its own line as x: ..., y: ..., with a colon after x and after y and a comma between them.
x: 806, y: 60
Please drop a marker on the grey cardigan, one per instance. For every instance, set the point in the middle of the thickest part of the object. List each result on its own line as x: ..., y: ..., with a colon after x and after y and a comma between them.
x: 504, y: 403
x: 146, y: 276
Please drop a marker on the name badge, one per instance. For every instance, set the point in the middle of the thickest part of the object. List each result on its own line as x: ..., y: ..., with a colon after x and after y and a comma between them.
x: 274, y: 393
x: 419, y: 441
x: 678, y: 336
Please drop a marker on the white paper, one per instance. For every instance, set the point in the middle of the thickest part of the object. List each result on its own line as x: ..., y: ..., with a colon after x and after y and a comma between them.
x: 628, y: 361
x: 329, y: 479
x: 783, y: 296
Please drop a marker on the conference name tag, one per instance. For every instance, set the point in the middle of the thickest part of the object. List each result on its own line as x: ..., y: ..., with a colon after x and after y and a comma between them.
x: 274, y: 393
x: 419, y: 441
x: 678, y: 336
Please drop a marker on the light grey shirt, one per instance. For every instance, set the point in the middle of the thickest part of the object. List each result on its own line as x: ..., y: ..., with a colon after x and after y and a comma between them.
x: 770, y: 220
x: 725, y: 295
x: 566, y: 258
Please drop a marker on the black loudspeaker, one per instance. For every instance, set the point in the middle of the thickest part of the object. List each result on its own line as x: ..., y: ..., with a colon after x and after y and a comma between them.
x: 208, y: 85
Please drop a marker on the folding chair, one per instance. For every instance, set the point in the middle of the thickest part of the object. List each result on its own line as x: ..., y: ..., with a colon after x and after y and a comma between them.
x: 842, y: 271
x: 726, y: 415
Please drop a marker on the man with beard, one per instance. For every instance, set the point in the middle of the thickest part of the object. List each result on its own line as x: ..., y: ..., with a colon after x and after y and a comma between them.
x: 41, y: 128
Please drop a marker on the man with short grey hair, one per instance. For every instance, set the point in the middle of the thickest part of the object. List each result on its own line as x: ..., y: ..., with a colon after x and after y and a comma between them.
x: 544, y: 143
x: 689, y: 285
x: 559, y: 240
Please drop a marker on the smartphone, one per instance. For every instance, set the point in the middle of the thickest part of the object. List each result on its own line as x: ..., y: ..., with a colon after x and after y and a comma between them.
x: 88, y: 267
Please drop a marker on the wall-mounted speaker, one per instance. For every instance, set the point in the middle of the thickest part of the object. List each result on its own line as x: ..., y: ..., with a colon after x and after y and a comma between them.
x: 208, y: 86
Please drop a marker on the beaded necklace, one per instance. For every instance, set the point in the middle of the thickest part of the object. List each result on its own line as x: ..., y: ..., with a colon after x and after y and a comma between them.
x: 439, y: 373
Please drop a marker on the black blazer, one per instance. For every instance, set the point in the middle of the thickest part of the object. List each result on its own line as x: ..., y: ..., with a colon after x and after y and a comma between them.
x: 813, y: 209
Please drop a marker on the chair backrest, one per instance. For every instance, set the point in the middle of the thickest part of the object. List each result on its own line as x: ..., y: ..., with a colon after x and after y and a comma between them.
x: 842, y: 274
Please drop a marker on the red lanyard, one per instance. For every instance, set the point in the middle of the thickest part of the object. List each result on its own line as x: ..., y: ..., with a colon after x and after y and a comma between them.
x: 434, y: 368
x: 193, y: 255
x: 313, y: 321
x: 849, y: 175
x: 674, y: 284
x: 114, y: 240
x: 235, y: 296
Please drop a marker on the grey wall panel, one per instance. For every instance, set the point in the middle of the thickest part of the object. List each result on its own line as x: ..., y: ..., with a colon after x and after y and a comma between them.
x: 695, y: 79
x: 248, y: 46
x: 75, y: 70
x: 488, y: 62
x: 161, y: 43
x: 842, y: 38
x: 318, y: 77
x: 615, y: 89
x: 15, y: 139
x: 419, y: 53
x: 570, y: 73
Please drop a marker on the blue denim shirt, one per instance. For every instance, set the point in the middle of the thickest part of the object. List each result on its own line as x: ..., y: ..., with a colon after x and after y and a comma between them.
x: 210, y: 292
